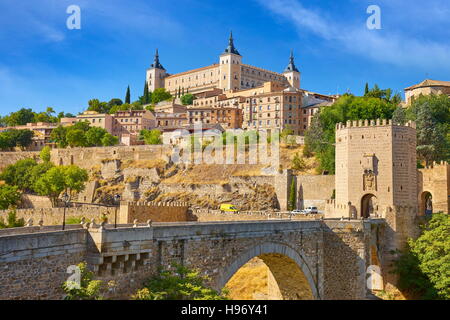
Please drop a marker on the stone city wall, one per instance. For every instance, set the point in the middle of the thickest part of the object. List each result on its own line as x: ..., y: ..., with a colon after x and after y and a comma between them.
x: 314, y: 191
x: 90, y: 157
x: 435, y: 180
x: 33, y: 266
x: 54, y: 216
x: 158, y: 212
x: 8, y: 158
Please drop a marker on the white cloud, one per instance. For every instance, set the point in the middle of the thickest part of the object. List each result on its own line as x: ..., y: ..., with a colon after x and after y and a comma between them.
x: 399, y: 47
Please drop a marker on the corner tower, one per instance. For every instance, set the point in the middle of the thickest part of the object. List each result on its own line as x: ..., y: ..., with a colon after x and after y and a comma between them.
x: 230, y: 67
x: 156, y: 74
x: 291, y: 72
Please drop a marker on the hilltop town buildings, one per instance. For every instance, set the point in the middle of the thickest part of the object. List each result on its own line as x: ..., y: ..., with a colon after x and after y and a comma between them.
x: 427, y: 87
x: 228, y: 94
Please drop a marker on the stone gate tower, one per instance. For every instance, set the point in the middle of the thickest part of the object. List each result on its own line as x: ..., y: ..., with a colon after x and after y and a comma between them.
x: 376, y: 177
x: 376, y: 167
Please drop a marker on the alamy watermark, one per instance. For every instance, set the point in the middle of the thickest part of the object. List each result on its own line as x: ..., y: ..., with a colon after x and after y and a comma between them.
x: 74, y: 280
x: 374, y: 20
x: 234, y: 146
x: 74, y: 20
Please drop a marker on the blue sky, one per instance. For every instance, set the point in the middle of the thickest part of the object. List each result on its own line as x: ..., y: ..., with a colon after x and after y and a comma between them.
x: 42, y: 63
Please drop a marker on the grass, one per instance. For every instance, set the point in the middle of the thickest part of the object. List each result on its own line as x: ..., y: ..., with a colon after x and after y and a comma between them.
x: 144, y: 164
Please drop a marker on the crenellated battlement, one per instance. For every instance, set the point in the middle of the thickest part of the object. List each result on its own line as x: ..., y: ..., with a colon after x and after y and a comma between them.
x: 436, y: 165
x: 372, y: 123
x: 153, y: 204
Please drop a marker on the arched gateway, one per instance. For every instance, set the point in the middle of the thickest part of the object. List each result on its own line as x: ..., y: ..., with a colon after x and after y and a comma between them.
x: 289, y: 269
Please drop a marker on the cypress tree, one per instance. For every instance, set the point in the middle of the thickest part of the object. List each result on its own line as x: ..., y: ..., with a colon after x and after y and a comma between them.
x: 366, y: 90
x: 292, y: 196
x: 127, y: 96
x: 146, y: 94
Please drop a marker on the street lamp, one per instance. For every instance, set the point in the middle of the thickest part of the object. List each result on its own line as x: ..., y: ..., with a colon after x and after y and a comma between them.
x: 117, y: 202
x: 65, y: 199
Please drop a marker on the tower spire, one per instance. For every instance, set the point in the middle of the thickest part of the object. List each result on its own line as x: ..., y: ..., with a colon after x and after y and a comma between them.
x: 291, y: 66
x: 156, y: 64
x: 231, y: 48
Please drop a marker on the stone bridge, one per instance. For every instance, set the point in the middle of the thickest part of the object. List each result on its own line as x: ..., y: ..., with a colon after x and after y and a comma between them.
x: 327, y: 259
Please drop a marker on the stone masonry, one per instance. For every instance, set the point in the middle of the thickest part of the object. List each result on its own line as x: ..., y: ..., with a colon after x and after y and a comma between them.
x: 332, y: 255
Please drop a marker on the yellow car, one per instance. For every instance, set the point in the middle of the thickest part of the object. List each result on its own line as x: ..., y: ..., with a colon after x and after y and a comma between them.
x: 228, y: 208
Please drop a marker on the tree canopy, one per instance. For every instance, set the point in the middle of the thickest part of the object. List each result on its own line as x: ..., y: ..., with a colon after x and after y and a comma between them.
x: 81, y: 134
x: 432, y: 116
x: 187, y: 99
x: 61, y: 179
x: 151, y: 136
x: 15, y: 138
x: 320, y: 137
x: 424, y: 267
x: 26, y: 115
x: 160, y: 94
x: 9, y: 196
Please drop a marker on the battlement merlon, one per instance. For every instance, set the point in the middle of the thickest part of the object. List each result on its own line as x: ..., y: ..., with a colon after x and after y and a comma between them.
x: 437, y: 165
x: 372, y: 123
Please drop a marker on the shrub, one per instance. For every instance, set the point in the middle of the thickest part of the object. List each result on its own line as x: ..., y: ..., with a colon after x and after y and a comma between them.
x: 86, y: 289
x: 12, y: 221
x: 178, y: 283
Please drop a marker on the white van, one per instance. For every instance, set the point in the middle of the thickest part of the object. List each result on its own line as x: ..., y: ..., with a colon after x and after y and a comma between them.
x: 311, y: 210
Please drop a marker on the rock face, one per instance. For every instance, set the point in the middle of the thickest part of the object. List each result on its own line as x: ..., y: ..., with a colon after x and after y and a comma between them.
x: 157, y: 184
x: 110, y: 169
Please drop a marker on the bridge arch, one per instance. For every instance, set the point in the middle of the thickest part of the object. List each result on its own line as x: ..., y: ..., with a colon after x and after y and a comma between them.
x: 270, y: 252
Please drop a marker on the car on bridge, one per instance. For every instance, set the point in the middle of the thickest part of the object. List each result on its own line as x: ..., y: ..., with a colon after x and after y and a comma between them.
x: 228, y: 208
x: 297, y: 211
x: 311, y: 210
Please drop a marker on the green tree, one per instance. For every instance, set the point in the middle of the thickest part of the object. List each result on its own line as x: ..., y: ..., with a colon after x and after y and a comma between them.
x: 399, y: 116
x: 146, y: 98
x: 187, y: 99
x: 37, y: 172
x: 109, y: 140
x: 76, y: 138
x: 94, y: 136
x: 431, y: 138
x: 9, y: 196
x: 12, y: 221
x: 19, y: 138
x: 366, y: 89
x: 285, y: 133
x: 424, y: 267
x: 320, y: 137
x: 432, y: 116
x: 298, y: 163
x: 151, y: 136
x: 59, y: 136
x: 19, y: 118
x: 292, y: 196
x: 160, y: 94
x: 128, y: 96
x: 114, y: 102
x: 19, y: 174
x: 45, y: 154
x: 178, y: 283
x: 87, y: 289
x: 4, y: 141
x: 61, y: 179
